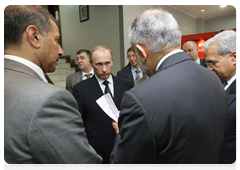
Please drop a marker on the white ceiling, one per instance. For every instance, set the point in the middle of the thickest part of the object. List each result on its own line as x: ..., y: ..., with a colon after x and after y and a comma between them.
x: 210, y: 11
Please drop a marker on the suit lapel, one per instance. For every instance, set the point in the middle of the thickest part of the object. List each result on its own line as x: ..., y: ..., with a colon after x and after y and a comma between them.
x: 94, y: 86
x: 78, y: 77
x: 129, y: 74
x: 231, y: 93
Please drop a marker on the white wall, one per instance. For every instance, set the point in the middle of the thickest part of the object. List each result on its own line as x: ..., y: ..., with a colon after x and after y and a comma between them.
x: 102, y: 28
x: 187, y: 24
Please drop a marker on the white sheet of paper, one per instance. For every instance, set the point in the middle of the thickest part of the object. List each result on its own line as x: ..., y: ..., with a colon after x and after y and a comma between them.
x: 108, y: 106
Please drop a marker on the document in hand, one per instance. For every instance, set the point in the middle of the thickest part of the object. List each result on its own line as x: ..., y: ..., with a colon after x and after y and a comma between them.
x: 107, y: 105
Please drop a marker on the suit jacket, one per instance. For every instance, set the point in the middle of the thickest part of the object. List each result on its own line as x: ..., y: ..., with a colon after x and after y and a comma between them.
x: 145, y: 77
x: 100, y: 132
x: 202, y: 62
x: 126, y: 73
x: 228, y: 154
x: 72, y: 80
x: 41, y: 121
x: 165, y: 120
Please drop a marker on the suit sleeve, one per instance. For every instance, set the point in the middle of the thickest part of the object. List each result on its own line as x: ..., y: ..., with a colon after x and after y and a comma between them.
x: 56, y: 133
x: 137, y: 143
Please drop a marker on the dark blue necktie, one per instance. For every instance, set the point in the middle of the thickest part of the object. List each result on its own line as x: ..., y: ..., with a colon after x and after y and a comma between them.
x: 107, y: 90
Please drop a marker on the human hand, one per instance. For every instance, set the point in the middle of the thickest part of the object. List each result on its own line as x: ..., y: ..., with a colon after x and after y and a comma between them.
x: 115, y: 126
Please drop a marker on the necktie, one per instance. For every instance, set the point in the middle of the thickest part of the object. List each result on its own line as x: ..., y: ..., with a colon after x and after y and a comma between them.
x: 137, y: 75
x: 107, y: 90
x: 88, y: 75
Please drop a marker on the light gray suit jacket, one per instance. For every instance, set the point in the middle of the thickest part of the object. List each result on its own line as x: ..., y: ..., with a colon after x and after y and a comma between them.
x: 41, y: 121
x: 72, y: 80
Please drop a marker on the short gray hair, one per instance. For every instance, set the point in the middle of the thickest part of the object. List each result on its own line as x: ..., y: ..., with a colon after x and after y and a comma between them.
x: 225, y: 40
x: 156, y: 29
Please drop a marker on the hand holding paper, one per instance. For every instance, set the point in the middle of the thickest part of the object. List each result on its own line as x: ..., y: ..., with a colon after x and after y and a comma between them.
x: 107, y: 105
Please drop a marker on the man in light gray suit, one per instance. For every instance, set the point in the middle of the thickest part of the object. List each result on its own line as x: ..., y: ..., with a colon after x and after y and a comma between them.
x: 163, y: 119
x: 41, y: 121
x: 86, y: 70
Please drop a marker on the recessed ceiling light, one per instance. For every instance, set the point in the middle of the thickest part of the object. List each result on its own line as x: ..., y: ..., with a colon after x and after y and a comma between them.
x: 202, y: 10
x: 223, y: 6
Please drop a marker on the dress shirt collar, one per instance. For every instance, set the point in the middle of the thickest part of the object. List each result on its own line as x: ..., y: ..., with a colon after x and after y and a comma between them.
x: 166, y: 56
x: 198, y: 60
x: 229, y: 82
x: 29, y: 64
x: 100, y: 81
x: 83, y: 73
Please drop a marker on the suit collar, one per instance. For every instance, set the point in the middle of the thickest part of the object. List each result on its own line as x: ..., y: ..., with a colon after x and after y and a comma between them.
x: 29, y: 64
x: 19, y: 67
x: 174, y: 59
x: 231, y: 93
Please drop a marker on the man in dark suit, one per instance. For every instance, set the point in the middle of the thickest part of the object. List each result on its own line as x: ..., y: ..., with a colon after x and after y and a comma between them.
x: 163, y: 119
x: 41, y: 121
x: 221, y: 59
x: 190, y: 47
x: 86, y: 71
x: 98, y: 125
x: 132, y: 71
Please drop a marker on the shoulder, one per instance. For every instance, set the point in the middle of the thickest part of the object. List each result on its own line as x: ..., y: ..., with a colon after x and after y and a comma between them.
x: 74, y: 75
x: 122, y: 81
x: 125, y: 69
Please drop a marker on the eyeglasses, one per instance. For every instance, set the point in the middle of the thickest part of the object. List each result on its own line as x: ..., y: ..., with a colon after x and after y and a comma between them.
x: 211, y: 63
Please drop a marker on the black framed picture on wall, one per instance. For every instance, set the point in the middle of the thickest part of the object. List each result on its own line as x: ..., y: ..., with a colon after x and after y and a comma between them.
x: 83, y: 13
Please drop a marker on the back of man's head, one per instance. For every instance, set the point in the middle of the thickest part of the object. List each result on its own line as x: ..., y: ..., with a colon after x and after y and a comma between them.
x: 18, y: 17
x: 156, y: 29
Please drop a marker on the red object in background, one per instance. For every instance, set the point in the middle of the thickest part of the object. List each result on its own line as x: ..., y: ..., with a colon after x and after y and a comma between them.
x: 199, y: 38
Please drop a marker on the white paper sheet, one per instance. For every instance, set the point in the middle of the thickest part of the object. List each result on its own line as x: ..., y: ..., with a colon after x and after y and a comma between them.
x: 108, y: 106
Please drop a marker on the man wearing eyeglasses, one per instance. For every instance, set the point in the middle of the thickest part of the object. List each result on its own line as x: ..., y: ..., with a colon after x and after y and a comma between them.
x: 132, y: 71
x: 221, y: 59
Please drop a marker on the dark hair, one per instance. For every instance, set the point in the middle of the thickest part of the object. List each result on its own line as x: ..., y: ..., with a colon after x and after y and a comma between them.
x: 18, y: 17
x: 129, y: 49
x: 84, y: 50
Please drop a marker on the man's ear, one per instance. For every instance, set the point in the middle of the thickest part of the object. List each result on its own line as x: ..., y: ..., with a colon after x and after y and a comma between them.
x: 234, y: 57
x: 144, y: 52
x: 33, y: 36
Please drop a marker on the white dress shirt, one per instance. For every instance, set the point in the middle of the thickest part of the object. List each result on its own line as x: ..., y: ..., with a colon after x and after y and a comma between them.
x: 85, y: 77
x: 29, y: 64
x: 229, y: 82
x: 133, y: 69
x: 110, y: 85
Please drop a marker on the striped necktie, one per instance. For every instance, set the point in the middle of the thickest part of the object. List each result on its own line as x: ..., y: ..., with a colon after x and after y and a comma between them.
x: 88, y: 75
x: 137, y: 74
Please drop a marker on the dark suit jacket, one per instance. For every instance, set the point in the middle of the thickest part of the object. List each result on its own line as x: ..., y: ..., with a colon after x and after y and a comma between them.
x: 100, y: 132
x: 228, y: 154
x: 202, y: 62
x: 126, y: 73
x: 165, y: 120
x: 41, y: 121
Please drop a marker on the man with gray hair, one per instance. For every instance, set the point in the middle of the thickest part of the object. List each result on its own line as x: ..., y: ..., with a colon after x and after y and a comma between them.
x: 221, y: 59
x: 163, y: 119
